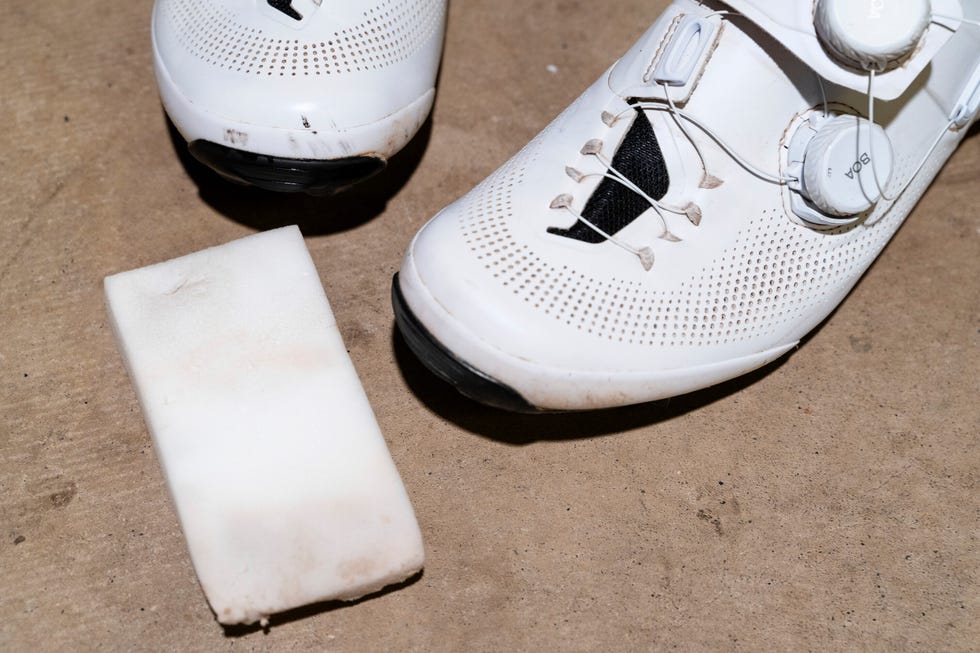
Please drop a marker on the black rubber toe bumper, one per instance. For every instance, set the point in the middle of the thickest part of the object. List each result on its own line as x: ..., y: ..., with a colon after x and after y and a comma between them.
x: 444, y: 364
x: 283, y: 174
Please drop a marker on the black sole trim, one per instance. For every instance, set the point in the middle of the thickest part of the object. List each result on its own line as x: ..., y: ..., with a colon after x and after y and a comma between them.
x: 443, y: 363
x: 282, y: 174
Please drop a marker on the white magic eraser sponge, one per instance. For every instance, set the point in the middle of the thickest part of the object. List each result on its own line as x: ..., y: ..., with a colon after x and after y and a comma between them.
x: 282, y: 481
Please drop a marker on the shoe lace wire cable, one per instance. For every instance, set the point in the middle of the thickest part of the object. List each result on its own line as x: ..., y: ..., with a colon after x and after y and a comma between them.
x: 579, y: 176
x: 690, y: 210
x: 594, y: 148
x: 644, y: 253
x: 823, y: 94
x: 871, y: 148
x: 936, y: 19
x: 708, y: 181
x: 942, y: 17
x: 729, y: 149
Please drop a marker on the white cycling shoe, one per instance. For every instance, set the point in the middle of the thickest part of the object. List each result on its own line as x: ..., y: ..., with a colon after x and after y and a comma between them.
x: 706, y: 203
x: 297, y: 95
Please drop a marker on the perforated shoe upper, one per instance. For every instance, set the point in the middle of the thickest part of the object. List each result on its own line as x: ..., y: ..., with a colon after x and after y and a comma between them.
x: 325, y: 66
x: 576, y: 321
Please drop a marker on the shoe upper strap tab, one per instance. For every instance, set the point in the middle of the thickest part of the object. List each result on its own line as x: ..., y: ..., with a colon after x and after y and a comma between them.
x: 791, y: 23
x: 686, y: 36
x: 674, y: 51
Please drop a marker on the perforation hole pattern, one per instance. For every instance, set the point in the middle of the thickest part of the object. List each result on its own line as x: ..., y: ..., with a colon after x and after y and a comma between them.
x: 771, y: 277
x: 391, y: 31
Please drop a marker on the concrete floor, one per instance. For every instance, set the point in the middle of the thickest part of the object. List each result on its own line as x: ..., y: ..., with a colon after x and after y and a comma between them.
x: 828, y: 502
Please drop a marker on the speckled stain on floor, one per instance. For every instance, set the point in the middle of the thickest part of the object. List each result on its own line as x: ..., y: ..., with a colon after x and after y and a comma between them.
x: 827, y: 502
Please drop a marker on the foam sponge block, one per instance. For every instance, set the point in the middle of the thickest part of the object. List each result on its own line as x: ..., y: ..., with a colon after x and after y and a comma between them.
x: 282, y: 481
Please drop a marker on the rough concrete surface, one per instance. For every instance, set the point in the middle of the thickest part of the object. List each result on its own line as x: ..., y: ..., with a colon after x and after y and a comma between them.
x: 828, y: 502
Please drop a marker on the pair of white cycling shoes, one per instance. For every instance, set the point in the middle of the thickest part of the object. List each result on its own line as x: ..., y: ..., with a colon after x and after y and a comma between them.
x: 699, y: 209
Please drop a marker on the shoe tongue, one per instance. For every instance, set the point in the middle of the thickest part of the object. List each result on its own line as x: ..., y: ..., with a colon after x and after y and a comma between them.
x: 294, y: 14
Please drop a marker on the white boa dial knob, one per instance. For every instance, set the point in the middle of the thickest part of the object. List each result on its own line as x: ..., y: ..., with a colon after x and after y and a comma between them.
x: 838, y: 174
x: 872, y: 34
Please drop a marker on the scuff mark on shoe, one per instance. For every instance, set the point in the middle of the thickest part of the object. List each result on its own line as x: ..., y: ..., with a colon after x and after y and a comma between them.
x: 235, y: 137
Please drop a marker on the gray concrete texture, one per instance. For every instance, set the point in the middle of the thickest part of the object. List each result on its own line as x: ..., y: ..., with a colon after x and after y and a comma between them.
x: 828, y: 502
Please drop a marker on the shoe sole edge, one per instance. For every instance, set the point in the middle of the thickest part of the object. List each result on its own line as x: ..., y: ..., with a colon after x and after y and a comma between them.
x: 284, y: 174
x: 443, y: 363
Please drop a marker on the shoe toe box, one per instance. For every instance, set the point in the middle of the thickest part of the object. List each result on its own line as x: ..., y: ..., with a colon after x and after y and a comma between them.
x: 228, y: 72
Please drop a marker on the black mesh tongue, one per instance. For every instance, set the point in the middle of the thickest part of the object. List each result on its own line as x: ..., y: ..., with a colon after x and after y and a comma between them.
x: 286, y: 7
x: 613, y: 206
